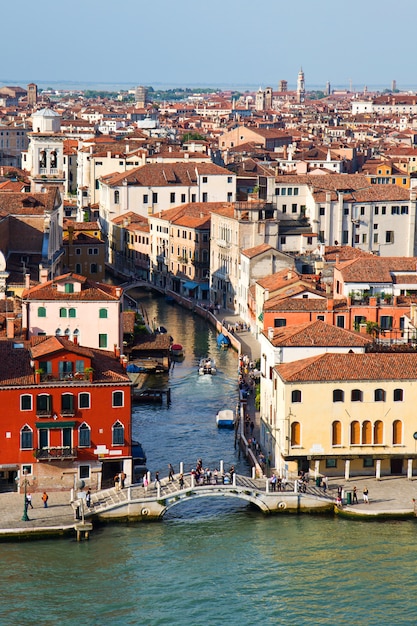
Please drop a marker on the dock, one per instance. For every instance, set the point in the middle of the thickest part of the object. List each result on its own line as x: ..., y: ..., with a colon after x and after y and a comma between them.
x: 152, y: 396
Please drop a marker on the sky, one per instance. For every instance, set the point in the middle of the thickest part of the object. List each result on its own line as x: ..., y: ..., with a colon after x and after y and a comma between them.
x: 216, y: 43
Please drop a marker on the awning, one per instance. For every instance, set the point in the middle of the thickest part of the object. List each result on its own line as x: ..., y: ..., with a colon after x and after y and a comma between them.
x: 55, y: 424
x: 204, y: 287
x: 190, y: 285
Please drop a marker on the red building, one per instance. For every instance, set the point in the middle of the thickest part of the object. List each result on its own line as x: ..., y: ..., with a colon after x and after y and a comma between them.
x: 66, y: 415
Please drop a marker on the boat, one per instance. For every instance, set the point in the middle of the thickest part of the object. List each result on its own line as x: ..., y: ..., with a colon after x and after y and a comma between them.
x: 225, y: 419
x: 177, y: 349
x: 138, y: 461
x: 223, y: 341
x: 207, y: 366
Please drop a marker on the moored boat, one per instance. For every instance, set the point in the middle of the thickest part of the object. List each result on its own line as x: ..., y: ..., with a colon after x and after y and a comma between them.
x: 225, y: 419
x: 177, y: 349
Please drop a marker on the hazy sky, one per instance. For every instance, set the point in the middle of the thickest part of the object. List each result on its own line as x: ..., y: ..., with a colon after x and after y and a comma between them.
x: 217, y: 42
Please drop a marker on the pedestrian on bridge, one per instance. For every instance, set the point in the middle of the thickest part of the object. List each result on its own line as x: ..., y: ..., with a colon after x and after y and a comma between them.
x: 157, y: 481
x: 181, y: 481
x: 171, y: 472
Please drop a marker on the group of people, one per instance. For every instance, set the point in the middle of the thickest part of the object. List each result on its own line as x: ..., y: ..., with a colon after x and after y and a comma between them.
x: 277, y: 483
x: 119, y: 481
x: 44, y: 499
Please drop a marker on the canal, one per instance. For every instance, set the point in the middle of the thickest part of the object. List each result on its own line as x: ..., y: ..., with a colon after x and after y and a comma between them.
x: 210, y: 562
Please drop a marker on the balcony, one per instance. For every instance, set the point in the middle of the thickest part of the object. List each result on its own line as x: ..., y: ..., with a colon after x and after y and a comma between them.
x: 55, y: 378
x: 69, y: 412
x: 56, y: 453
x: 44, y: 413
x: 183, y: 259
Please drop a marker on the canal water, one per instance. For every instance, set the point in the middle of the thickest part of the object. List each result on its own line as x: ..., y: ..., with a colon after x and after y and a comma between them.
x: 211, y: 562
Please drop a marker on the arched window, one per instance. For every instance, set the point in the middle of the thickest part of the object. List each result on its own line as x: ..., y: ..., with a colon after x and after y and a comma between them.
x: 116, y: 197
x: 118, y: 433
x: 355, y: 433
x: 398, y: 395
x: 397, y: 432
x: 102, y: 313
x: 295, y: 434
x: 42, y: 159
x: 296, y: 395
x: 378, y: 432
x: 84, y: 436
x: 336, y: 433
x: 84, y: 401
x: 338, y: 395
x: 379, y: 395
x: 117, y: 398
x: 67, y: 404
x: 26, y: 438
x: 26, y: 402
x: 78, y: 268
x: 356, y: 395
x: 43, y: 405
x: 58, y: 332
x: 41, y: 311
x: 62, y: 312
x: 53, y: 159
x: 72, y: 313
x: 366, y: 432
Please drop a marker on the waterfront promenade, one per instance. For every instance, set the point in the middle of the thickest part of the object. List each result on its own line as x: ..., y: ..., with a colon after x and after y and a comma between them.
x: 390, y: 496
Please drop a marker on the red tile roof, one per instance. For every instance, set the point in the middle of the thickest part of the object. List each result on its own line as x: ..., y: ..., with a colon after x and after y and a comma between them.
x: 317, y: 333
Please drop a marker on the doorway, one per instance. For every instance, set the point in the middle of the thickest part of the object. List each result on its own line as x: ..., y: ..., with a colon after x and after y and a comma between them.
x: 396, y: 466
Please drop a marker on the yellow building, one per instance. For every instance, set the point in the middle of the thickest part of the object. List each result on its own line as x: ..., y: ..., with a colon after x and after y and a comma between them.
x: 345, y: 414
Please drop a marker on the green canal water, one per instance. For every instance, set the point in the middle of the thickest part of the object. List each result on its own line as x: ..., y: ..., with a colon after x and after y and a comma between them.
x: 211, y: 562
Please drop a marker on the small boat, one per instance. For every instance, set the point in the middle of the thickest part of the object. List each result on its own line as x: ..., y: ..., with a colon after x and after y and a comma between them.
x: 225, y: 419
x: 161, y: 330
x: 207, y: 366
x: 223, y: 341
x: 177, y: 349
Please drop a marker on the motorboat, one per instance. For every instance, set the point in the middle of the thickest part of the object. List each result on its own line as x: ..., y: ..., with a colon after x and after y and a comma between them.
x: 225, y: 419
x: 207, y: 366
x: 223, y: 341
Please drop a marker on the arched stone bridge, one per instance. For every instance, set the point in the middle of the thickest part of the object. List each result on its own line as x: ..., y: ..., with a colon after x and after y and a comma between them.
x: 135, y: 504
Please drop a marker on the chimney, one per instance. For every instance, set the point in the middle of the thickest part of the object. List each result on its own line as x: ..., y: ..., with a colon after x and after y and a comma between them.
x: 118, y: 292
x: 270, y: 334
x: 27, y: 280
x: 116, y: 351
x: 70, y: 233
x: 10, y: 325
x: 43, y: 275
x: 362, y: 329
x: 289, y: 275
x: 330, y: 304
x: 372, y: 301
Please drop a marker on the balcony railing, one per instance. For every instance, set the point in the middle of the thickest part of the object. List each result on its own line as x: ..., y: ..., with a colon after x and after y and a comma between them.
x: 43, y: 413
x: 55, y: 452
x: 51, y: 378
x: 68, y: 412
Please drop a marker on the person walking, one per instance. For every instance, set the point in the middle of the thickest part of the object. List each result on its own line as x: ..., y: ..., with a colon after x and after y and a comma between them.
x: 29, y: 501
x: 145, y: 483
x: 324, y: 483
x: 181, y: 481
x: 88, y: 498
x: 170, y: 472
x: 157, y: 481
x: 45, y: 498
x: 366, y: 496
x: 273, y: 481
x: 355, y: 496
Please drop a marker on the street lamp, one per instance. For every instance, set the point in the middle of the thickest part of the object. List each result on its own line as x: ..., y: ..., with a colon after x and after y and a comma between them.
x: 25, y: 517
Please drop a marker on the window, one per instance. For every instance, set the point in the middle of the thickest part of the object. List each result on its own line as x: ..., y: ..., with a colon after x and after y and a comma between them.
x: 78, y: 251
x: 295, y: 434
x: 336, y: 433
x: 279, y: 322
x: 93, y: 268
x: 84, y: 471
x: 395, y: 210
x: 69, y: 287
x: 356, y: 395
x: 145, y: 198
x: 389, y: 236
x: 294, y: 208
x: 116, y: 197
x: 205, y: 196
x: 376, y: 210
x: 296, y: 396
x: 368, y: 462
x: 331, y: 463
x: 284, y: 208
x: 83, y: 400
x: 375, y: 237
x: 338, y: 395
x: 154, y: 198
x: 183, y: 197
x: 386, y: 322
x: 44, y: 404
x: 398, y: 395
x: 26, y: 402
x: 102, y: 313
x: 321, y: 211
x: 172, y: 196
x: 26, y: 438
x: 340, y: 321
x: 229, y: 179
x: 72, y: 313
x: 118, y: 434
x: 296, y: 191
x: 78, y: 268
x: 355, y: 433
x: 383, y: 210
x: 345, y: 237
x: 84, y: 436
x: 378, y: 432
x: 102, y: 340
x: 379, y: 395
x: 366, y: 432
x: 397, y: 433
x: 41, y: 311
x: 204, y: 179
x: 117, y: 398
x: 67, y: 404
x: 404, y: 210
x: 362, y: 210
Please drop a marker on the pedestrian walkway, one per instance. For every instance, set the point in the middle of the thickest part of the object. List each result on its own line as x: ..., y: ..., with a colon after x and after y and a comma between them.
x: 57, y: 517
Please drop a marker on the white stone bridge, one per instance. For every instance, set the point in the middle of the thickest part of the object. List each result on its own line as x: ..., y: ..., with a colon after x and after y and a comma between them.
x: 135, y: 504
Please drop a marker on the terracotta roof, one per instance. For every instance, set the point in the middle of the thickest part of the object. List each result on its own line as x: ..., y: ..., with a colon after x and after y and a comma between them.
x: 317, y: 333
x: 375, y: 269
x: 165, y: 174
x: 250, y: 253
x: 90, y: 290
x: 350, y: 367
x: 287, y: 300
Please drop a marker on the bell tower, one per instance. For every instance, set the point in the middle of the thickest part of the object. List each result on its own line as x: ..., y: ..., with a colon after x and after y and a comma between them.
x: 301, y: 93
